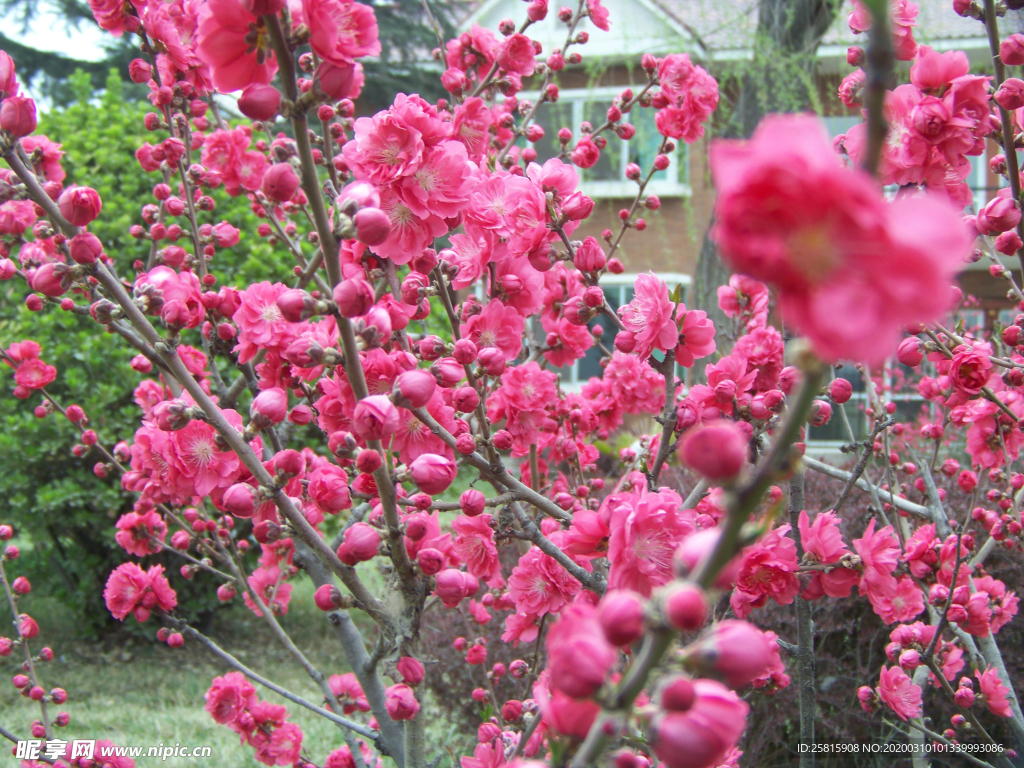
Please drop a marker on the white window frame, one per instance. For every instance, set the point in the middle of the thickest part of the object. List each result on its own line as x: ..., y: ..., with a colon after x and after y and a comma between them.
x: 669, y: 187
x: 573, y: 383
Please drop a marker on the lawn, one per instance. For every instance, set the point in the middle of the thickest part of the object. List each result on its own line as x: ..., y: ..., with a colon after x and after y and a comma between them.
x: 139, y: 693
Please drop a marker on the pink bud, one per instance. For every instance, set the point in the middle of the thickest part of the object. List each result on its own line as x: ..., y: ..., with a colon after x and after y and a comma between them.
x: 909, y: 352
x: 502, y: 440
x: 621, y: 614
x: 465, y: 444
x: 1010, y: 95
x: 453, y: 585
x: 270, y: 406
x: 1011, y: 50
x: 492, y: 360
x: 259, y: 102
x: 416, y: 387
x: 401, y: 703
x: 354, y: 297
x: 373, y: 226
x: 472, y: 502
x: 964, y: 697
x: 590, y: 256
x: 361, y: 543
x: 967, y: 481
x: 280, y: 183
x: 411, y: 670
x: 18, y: 116
x: 718, y: 450
x: 678, y: 695
x: 511, y: 710
x: 295, y: 305
x: 327, y: 597
x: 736, y: 650
x: 368, y: 462
x: 21, y: 586
x: 431, y: 561
x: 48, y: 279
x: 80, y: 205
x: 241, y: 500
x: 465, y: 351
x: 375, y: 418
x: 432, y: 473
x: 840, y: 390
x: 85, y: 248
x: 686, y: 607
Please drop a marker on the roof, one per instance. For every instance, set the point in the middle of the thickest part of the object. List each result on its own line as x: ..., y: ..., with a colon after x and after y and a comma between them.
x: 725, y: 26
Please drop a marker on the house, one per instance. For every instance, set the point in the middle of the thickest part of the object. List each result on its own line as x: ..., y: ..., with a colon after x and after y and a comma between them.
x: 716, y: 34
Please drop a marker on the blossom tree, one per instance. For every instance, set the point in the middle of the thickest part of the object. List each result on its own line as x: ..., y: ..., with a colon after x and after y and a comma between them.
x: 319, y: 420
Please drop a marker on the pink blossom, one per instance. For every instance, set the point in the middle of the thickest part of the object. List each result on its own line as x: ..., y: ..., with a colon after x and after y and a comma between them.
x: 475, y: 544
x: 228, y: 697
x: 539, y: 585
x: 401, y: 702
x: 579, y: 656
x: 767, y: 570
x: 516, y: 55
x: 235, y: 44
x: 995, y: 692
x: 702, y: 735
x: 879, y: 553
x: 349, y: 693
x: 136, y: 533
x: 696, y: 335
x: 341, y: 31
x: 764, y: 349
x: 497, y: 326
x: 899, y: 693
x: 644, y: 535
x: 649, y: 317
x: 825, y: 237
x: 563, y: 714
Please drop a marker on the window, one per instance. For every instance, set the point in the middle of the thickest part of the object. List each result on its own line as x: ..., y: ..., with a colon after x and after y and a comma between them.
x: 618, y: 291
x: 607, y: 178
x: 909, y: 405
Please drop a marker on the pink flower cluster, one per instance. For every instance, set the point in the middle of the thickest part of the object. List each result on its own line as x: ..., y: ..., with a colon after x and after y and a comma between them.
x: 233, y: 701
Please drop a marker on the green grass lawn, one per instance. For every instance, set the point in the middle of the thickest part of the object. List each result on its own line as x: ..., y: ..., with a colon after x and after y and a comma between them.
x: 140, y: 694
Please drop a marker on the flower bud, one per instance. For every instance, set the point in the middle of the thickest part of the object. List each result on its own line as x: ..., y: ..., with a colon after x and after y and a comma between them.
x: 430, y: 561
x: 373, y: 226
x: 361, y: 544
x: 1011, y: 50
x: 840, y: 390
x: 432, y: 473
x: 354, y: 297
x: 241, y: 500
x: 400, y: 702
x: 80, y: 205
x: 678, y: 695
x: 621, y: 615
x: 85, y: 248
x: 736, y: 650
x: 327, y: 598
x: 259, y: 102
x: 375, y: 418
x: 415, y: 388
x: 686, y: 607
x: 280, y: 183
x: 18, y: 116
x: 718, y: 450
x: 296, y: 305
x: 411, y: 670
x: 472, y: 502
x: 269, y: 407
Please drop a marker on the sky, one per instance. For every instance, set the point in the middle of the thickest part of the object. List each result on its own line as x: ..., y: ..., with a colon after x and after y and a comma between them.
x: 47, y: 32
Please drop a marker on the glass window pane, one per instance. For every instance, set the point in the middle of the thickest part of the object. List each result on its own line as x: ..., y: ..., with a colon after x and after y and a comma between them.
x: 552, y: 117
x: 609, y: 167
x: 644, y: 145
